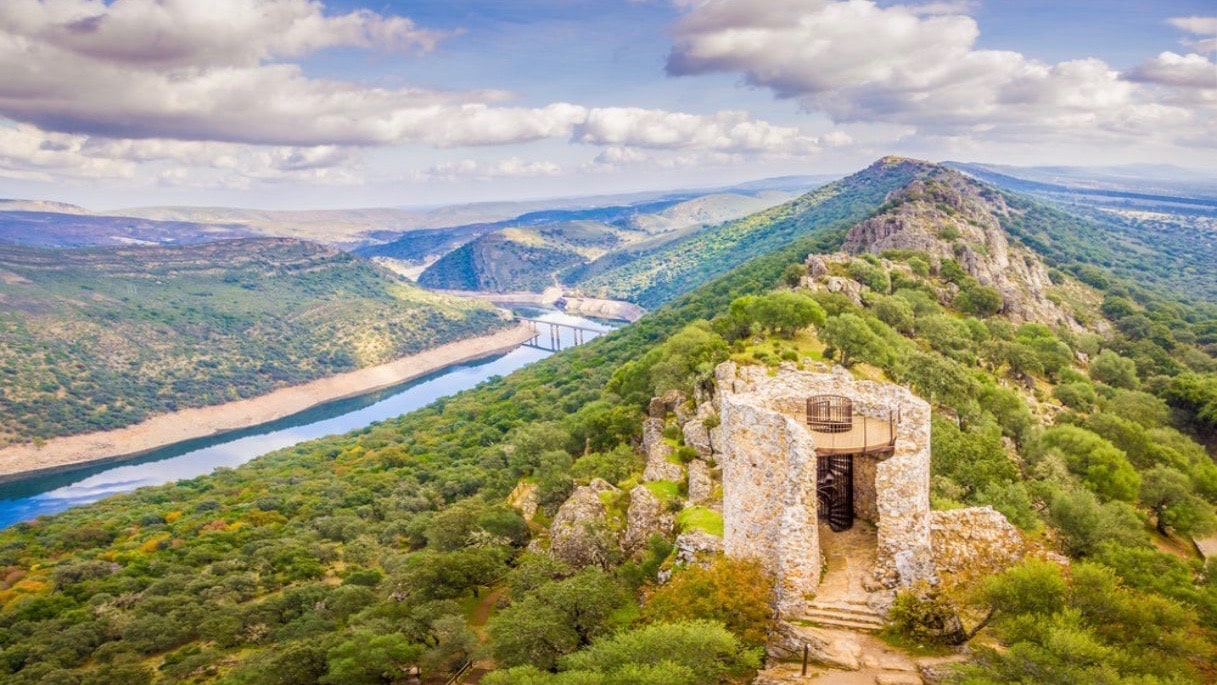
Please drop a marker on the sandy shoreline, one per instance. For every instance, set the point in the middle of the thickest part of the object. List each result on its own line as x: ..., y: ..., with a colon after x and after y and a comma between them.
x: 167, y: 429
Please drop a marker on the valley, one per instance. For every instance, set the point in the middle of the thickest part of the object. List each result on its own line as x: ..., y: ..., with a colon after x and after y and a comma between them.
x: 600, y: 491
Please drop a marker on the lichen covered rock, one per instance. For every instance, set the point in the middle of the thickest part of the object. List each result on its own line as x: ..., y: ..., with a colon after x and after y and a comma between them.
x: 658, y: 451
x: 974, y: 537
x: 581, y: 534
x: 701, y: 483
x: 645, y: 517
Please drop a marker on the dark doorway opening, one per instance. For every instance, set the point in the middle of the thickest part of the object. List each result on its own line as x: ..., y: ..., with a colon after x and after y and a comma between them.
x: 835, y: 490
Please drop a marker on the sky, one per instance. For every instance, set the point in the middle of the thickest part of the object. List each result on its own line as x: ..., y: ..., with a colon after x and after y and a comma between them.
x: 335, y: 103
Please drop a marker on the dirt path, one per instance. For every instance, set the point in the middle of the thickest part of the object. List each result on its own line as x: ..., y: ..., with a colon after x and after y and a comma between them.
x: 167, y: 429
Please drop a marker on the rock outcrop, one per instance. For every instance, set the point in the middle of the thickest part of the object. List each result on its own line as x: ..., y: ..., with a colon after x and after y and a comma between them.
x: 701, y: 482
x: 645, y: 517
x: 657, y: 451
x: 697, y: 546
x: 580, y: 534
x: 949, y: 216
x: 977, y: 537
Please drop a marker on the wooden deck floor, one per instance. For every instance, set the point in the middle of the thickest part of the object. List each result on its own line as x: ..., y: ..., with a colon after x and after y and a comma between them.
x: 868, y: 435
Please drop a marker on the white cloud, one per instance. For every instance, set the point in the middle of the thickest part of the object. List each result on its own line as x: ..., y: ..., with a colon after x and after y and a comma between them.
x: 727, y: 131
x: 859, y: 62
x: 1200, y: 26
x: 1183, y: 71
x: 512, y: 167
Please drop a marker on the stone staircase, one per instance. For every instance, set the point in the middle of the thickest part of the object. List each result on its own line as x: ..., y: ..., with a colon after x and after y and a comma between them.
x: 845, y: 614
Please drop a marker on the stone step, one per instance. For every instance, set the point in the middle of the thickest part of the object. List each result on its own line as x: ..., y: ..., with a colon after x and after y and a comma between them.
x: 854, y: 608
x: 847, y: 621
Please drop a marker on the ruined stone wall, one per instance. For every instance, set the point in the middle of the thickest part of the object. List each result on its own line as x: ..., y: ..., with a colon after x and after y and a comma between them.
x: 769, y: 476
x: 769, y: 508
x: 866, y: 497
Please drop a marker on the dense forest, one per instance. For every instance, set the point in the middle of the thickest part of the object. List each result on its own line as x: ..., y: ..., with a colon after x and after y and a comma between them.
x: 355, y: 558
x: 96, y: 339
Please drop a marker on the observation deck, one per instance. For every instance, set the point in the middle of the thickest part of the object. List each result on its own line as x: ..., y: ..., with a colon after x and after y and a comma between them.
x: 839, y: 431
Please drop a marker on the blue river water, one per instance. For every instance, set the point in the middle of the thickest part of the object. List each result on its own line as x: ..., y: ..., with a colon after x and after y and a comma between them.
x: 26, y: 499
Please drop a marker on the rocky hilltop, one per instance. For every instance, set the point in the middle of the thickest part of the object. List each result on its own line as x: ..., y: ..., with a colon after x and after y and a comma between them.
x: 948, y: 216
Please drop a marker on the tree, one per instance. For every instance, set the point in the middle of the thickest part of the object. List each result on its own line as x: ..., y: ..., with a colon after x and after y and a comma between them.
x: 705, y: 648
x: 1100, y: 464
x: 896, y: 313
x: 555, y: 619
x: 730, y: 591
x: 1168, y: 494
x: 1114, y: 370
x: 793, y: 275
x: 979, y: 300
x: 369, y: 658
x: 849, y: 335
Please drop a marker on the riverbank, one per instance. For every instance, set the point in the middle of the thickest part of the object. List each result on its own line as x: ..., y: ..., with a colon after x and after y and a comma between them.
x: 67, y: 452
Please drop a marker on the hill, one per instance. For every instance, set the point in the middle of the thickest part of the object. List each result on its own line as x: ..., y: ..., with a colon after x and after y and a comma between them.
x: 393, y: 546
x: 99, y: 338
x: 530, y: 252
x: 654, y: 276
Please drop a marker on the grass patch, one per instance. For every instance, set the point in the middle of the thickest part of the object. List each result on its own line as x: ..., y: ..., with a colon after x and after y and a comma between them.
x: 912, y: 647
x: 700, y: 518
x: 664, y: 489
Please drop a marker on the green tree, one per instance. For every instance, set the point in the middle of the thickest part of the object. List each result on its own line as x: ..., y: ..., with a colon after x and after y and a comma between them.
x: 705, y: 648
x: 849, y: 335
x: 1118, y: 372
x: 1100, y: 464
x: 369, y: 658
x: 1168, y: 494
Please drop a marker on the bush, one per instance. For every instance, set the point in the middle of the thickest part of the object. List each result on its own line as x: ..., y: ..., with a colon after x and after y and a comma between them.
x: 731, y: 591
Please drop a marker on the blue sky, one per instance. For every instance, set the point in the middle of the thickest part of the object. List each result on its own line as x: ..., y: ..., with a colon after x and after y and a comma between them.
x: 288, y: 103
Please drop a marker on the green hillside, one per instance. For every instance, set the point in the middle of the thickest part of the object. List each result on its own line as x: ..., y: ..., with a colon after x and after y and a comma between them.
x: 658, y: 276
x: 101, y: 338
x: 355, y: 557
x: 505, y: 261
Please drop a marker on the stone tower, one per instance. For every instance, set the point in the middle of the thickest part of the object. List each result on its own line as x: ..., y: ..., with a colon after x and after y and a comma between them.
x: 774, y: 477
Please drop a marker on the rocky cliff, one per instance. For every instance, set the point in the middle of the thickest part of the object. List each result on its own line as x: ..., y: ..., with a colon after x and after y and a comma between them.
x: 951, y: 217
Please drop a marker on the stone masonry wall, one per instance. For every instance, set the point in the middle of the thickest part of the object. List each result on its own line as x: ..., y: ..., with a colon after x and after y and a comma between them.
x: 769, y: 506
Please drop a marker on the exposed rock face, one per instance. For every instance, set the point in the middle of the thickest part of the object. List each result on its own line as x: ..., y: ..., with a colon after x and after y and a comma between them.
x: 949, y: 216
x: 701, y: 483
x: 769, y: 477
x: 657, y: 452
x: 697, y: 435
x: 974, y: 537
x: 580, y: 534
x: 645, y: 517
x: 846, y: 286
x: 835, y: 649
x: 524, y: 499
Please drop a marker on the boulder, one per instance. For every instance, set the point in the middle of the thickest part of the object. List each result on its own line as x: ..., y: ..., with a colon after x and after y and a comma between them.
x: 701, y: 483
x: 646, y: 516
x: 832, y: 648
x: 846, y: 286
x: 580, y: 534
x: 696, y: 546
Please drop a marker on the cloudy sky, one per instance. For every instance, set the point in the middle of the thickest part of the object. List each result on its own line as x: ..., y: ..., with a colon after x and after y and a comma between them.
x: 336, y: 103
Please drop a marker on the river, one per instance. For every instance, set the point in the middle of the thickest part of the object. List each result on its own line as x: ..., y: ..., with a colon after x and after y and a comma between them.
x: 23, y: 500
